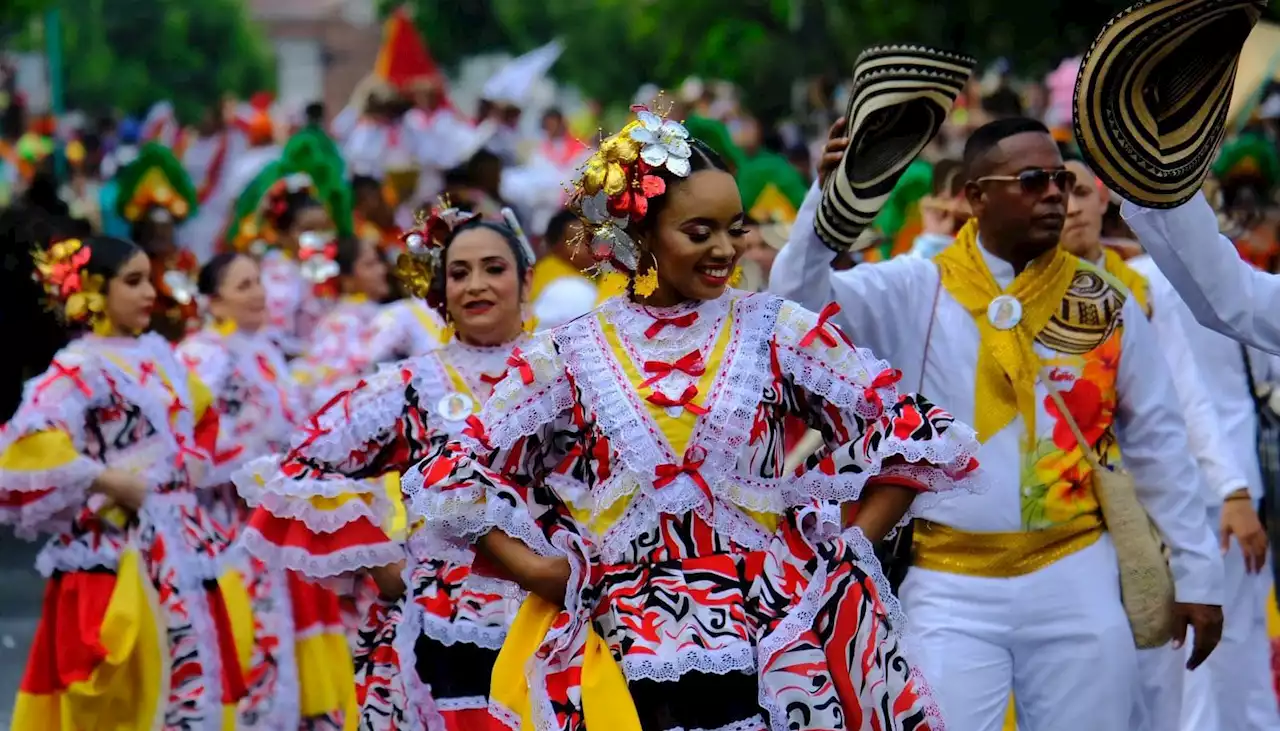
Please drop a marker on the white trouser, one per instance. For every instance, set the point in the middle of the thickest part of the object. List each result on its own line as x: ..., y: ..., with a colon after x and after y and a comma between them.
x: 1057, y: 638
x: 1158, y: 702
x: 1232, y: 690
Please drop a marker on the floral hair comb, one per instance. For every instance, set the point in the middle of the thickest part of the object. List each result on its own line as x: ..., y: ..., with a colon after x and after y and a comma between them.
x: 423, y: 245
x: 616, y: 183
x: 71, y: 292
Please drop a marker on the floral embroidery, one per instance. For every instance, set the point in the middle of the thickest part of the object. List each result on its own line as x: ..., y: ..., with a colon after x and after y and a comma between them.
x: 1055, y: 476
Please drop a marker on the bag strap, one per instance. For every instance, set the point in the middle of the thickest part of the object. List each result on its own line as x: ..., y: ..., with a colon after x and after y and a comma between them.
x: 1090, y: 456
x: 1258, y: 402
x: 928, y: 334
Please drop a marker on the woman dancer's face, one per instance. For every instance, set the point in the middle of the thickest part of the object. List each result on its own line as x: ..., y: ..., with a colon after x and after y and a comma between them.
x: 240, y: 297
x: 697, y: 239
x: 483, y: 292
x: 131, y: 296
x: 369, y: 274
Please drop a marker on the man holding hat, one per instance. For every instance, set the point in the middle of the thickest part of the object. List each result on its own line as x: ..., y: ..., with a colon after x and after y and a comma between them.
x: 1018, y: 589
x: 1155, y: 146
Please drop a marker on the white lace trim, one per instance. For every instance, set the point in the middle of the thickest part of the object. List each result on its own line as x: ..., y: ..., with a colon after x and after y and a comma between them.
x: 77, y: 556
x: 53, y: 513
x: 755, y: 723
x: 737, y: 657
x: 334, y: 564
x: 468, y: 703
x: 516, y: 410
x: 260, y: 483
x: 287, y: 704
x: 449, y: 633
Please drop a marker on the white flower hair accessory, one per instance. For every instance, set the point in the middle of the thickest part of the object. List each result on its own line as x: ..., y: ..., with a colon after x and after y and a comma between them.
x: 614, y: 186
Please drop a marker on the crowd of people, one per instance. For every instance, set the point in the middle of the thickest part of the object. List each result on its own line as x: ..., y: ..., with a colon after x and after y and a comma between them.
x: 905, y: 432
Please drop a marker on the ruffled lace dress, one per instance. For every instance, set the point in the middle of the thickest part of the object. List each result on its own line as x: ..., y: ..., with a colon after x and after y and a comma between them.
x: 301, y: 671
x: 709, y: 590
x: 140, y: 626
x: 331, y: 505
x: 293, y: 308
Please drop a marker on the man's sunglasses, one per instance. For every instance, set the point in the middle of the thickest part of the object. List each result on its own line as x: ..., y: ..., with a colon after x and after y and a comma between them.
x: 1035, y: 182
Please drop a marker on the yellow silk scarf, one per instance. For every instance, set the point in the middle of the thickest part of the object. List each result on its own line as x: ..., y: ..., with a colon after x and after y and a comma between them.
x: 1130, y: 278
x: 1007, y: 362
x: 606, y: 701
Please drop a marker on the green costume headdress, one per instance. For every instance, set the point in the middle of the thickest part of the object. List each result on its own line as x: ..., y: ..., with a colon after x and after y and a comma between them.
x: 1251, y: 157
x: 915, y: 184
x: 772, y: 189
x: 309, y: 159
x: 155, y: 183
x: 310, y: 151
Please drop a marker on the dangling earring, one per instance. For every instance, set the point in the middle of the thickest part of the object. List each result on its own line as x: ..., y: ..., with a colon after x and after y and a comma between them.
x: 736, y: 278
x: 101, y: 326
x: 647, y: 283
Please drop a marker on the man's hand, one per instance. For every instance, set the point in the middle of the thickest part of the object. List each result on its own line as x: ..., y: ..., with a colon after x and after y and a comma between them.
x: 1205, y: 621
x: 1239, y: 519
x: 837, y: 143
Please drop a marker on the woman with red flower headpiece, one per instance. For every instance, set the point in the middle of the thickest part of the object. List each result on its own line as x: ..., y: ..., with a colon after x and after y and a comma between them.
x: 142, y: 626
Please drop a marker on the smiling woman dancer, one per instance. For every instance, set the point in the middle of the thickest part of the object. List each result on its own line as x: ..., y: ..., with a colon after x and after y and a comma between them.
x: 301, y: 670
x: 317, y: 503
x: 628, y: 473
x: 138, y: 628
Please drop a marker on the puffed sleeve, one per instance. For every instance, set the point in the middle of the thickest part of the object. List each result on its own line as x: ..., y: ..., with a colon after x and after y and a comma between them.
x: 331, y: 503
x: 871, y: 431
x: 45, y: 470
x: 493, y: 477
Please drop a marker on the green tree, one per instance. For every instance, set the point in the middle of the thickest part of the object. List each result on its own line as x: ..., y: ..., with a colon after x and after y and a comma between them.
x: 613, y: 46
x: 128, y: 54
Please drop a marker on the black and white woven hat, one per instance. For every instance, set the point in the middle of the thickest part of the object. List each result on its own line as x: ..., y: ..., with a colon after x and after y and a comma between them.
x: 1153, y: 94
x: 901, y: 96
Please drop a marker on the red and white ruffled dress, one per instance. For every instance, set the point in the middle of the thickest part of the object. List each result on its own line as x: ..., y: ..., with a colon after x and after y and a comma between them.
x: 140, y: 626
x: 647, y: 447
x: 293, y: 308
x: 296, y: 665
x: 331, y: 505
x: 403, y: 329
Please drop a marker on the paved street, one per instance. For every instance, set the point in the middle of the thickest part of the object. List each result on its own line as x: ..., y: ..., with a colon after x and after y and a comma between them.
x: 19, y: 609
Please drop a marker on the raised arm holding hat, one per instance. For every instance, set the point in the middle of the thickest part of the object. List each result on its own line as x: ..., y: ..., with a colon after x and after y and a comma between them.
x: 1018, y: 589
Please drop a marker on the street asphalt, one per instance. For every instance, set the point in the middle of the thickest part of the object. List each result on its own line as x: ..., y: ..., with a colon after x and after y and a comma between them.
x: 20, y: 588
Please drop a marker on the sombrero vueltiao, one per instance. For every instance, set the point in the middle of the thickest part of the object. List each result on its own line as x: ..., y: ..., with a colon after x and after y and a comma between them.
x: 901, y: 96
x: 1153, y: 93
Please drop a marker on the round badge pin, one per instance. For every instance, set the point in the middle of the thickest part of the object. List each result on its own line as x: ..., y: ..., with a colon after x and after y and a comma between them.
x: 1004, y: 312
x: 455, y: 407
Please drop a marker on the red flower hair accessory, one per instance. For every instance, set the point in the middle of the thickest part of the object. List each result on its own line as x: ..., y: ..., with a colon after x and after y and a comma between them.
x: 424, y: 244
x: 615, y: 185
x: 70, y: 291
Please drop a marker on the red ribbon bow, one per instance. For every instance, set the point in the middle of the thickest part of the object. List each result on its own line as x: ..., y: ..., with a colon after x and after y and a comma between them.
x: 146, y: 370
x: 312, y: 428
x: 59, y: 372
x: 492, y: 380
x: 666, y: 474
x: 180, y: 459
x: 475, y: 429
x: 516, y: 360
x: 819, y: 331
x: 658, y: 398
x: 661, y: 322
x: 885, y: 379
x: 690, y: 364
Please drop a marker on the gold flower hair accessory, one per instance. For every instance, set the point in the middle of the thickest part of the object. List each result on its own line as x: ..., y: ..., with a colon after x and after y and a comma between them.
x: 423, y: 245
x: 614, y: 186
x: 71, y: 292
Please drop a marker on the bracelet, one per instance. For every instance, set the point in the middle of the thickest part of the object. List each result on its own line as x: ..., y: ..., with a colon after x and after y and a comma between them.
x: 1237, y: 496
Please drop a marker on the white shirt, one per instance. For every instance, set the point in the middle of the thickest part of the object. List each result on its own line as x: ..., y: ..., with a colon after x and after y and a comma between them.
x: 563, y: 300
x: 889, y: 307
x: 1224, y: 292
x: 1209, y: 403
